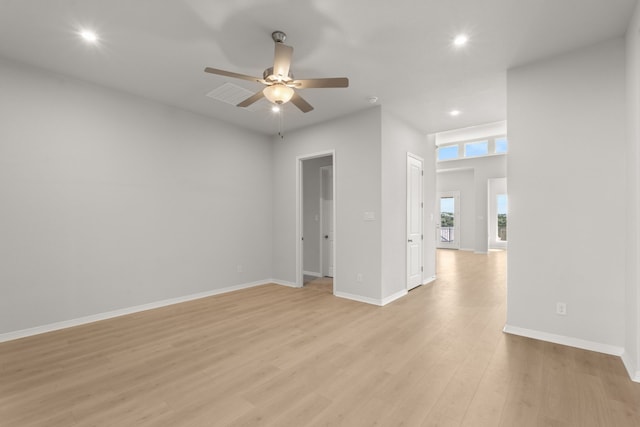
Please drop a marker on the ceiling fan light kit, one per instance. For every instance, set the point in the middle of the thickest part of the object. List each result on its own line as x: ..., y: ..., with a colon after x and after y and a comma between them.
x: 280, y: 83
x: 278, y: 93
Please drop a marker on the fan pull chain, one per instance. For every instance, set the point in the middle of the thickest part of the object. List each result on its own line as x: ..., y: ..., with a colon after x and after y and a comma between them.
x: 280, y: 123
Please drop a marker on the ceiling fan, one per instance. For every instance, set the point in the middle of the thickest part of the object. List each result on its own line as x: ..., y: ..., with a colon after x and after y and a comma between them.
x: 280, y: 83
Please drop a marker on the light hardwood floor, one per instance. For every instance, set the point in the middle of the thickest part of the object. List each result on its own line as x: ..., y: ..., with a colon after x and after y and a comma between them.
x: 279, y: 356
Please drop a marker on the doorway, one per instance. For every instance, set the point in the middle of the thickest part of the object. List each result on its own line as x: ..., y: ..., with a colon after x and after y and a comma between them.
x: 448, y: 226
x: 497, y: 213
x: 316, y: 234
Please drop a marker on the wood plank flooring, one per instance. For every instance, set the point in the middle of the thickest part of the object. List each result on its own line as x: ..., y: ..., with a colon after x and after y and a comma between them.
x: 278, y: 356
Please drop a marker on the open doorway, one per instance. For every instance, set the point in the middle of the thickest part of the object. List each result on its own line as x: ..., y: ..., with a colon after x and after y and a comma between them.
x: 448, y: 226
x: 497, y: 214
x: 316, y: 257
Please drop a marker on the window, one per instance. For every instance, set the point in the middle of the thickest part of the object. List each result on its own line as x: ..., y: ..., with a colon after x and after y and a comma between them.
x: 474, y: 149
x: 501, y: 145
x: 465, y: 150
x: 448, y: 152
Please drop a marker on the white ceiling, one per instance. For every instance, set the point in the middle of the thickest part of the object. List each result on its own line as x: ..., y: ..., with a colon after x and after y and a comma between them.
x: 397, y: 50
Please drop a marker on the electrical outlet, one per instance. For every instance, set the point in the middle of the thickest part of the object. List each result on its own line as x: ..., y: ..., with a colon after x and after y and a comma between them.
x: 359, y: 277
x: 561, y: 308
x: 239, y: 268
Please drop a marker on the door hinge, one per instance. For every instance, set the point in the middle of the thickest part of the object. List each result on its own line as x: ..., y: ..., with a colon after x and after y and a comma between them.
x: 422, y: 204
x: 421, y: 268
x: 303, y: 238
x: 422, y: 237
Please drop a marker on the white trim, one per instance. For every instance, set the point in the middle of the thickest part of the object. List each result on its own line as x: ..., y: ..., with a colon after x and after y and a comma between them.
x: 467, y: 249
x: 9, y: 336
x: 498, y: 244
x: 461, y: 169
x: 481, y: 252
x: 391, y: 298
x: 284, y: 283
x: 358, y: 298
x: 372, y: 301
x: 299, y: 203
x: 490, y: 137
x: 481, y: 156
x: 321, y: 225
x: 311, y: 273
x: 633, y: 371
x: 323, y: 219
x: 430, y: 280
x: 561, y: 339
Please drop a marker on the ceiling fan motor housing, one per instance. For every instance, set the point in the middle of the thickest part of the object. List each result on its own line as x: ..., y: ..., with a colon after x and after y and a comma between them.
x: 268, y: 76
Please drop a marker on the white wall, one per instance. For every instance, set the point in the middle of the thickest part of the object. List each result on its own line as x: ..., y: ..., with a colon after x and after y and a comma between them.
x: 484, y: 168
x: 398, y: 139
x: 311, y: 213
x: 632, y: 298
x: 356, y: 140
x: 110, y: 201
x: 566, y: 178
x: 461, y: 180
x: 370, y: 176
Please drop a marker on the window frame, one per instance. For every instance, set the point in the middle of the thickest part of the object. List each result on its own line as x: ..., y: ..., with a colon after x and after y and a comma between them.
x: 491, y: 148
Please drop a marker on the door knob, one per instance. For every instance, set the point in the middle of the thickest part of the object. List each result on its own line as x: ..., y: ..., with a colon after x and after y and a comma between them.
x: 410, y: 241
x: 326, y: 237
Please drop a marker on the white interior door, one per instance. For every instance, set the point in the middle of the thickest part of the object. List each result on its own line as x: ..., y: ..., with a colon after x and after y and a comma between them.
x: 326, y: 203
x: 448, y: 229
x: 414, y: 221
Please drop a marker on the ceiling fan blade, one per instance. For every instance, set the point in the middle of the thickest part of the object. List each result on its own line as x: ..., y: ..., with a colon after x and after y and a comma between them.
x: 299, y: 102
x: 232, y: 74
x: 321, y: 83
x: 282, y: 60
x: 250, y: 100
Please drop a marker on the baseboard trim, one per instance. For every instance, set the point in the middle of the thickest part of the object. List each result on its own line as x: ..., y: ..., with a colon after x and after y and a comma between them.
x: 391, y: 298
x: 430, y: 279
x: 358, y: 298
x: 373, y: 301
x: 311, y: 273
x: 480, y: 252
x: 632, y: 369
x: 37, y: 330
x: 284, y: 283
x: 563, y: 340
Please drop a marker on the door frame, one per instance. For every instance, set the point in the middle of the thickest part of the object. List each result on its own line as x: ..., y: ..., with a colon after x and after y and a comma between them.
x: 299, y: 211
x: 456, y: 214
x: 322, y: 220
x: 421, y: 160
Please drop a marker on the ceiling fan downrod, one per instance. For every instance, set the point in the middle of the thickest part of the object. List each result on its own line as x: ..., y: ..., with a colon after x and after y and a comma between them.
x: 278, y: 36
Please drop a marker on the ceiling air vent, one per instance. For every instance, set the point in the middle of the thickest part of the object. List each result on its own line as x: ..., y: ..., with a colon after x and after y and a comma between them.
x: 233, y: 94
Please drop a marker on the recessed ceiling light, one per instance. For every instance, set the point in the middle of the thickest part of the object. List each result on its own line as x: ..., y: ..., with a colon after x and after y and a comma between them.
x: 89, y: 36
x: 454, y: 113
x: 460, y: 40
x: 275, y: 109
